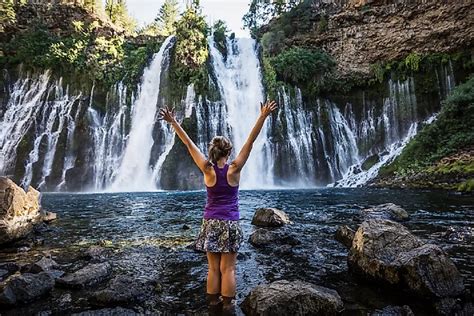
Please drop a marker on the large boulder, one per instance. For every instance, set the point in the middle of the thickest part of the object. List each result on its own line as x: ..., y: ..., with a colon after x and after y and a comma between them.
x: 24, y: 288
x: 292, y: 298
x: 385, y: 250
x: 262, y: 237
x: 19, y: 210
x: 386, y: 211
x: 90, y: 275
x: 270, y: 217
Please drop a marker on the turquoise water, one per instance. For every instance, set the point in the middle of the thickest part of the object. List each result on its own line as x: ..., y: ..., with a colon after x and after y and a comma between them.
x: 147, y: 229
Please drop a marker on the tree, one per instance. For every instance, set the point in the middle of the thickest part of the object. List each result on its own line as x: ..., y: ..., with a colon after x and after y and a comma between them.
x: 116, y: 10
x: 167, y: 17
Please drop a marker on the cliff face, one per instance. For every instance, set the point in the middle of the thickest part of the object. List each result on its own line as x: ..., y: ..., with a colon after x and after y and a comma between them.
x: 360, y: 33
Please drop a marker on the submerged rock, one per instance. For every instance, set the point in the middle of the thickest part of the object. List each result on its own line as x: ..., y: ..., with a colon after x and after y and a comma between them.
x: 385, y: 250
x: 90, y: 275
x: 292, y: 298
x: 19, y: 210
x: 404, y: 310
x: 122, y: 290
x: 117, y: 311
x: 48, y: 216
x: 345, y: 235
x: 386, y: 211
x: 264, y: 237
x: 27, y: 287
x: 270, y: 217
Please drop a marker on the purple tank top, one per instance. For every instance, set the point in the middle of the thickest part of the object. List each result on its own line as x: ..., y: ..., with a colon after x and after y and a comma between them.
x: 222, y: 199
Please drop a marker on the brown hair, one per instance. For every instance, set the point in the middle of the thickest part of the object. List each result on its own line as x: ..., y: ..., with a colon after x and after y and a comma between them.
x: 219, y: 147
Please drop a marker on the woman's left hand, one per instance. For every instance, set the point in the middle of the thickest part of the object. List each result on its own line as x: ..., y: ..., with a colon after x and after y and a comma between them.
x: 167, y: 114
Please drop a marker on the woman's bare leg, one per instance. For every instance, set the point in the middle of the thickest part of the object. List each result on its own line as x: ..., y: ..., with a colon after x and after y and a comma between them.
x: 227, y: 268
x: 213, y: 274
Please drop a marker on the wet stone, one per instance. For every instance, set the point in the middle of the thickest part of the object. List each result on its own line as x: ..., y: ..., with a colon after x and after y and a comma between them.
x: 118, y: 311
x: 386, y: 211
x: 264, y: 237
x: 292, y: 298
x: 26, y: 288
x: 345, y: 235
x: 394, y: 311
x: 270, y: 217
x: 122, y: 290
x: 90, y: 275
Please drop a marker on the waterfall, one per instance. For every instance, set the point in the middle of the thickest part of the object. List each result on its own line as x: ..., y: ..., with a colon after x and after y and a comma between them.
x: 23, y: 106
x: 240, y: 85
x: 135, y: 172
x: 108, y: 135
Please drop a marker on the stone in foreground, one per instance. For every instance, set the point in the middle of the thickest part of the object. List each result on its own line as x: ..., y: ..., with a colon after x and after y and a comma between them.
x: 19, y: 210
x: 26, y: 288
x: 90, y: 275
x: 404, y: 310
x: 122, y: 290
x: 291, y: 298
x: 385, y: 250
x: 386, y: 211
x: 345, y: 235
x: 270, y: 217
x: 263, y: 237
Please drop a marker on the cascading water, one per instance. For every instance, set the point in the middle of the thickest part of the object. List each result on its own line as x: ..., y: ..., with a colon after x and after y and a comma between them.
x: 240, y: 85
x: 108, y: 135
x: 22, y: 108
x: 135, y: 172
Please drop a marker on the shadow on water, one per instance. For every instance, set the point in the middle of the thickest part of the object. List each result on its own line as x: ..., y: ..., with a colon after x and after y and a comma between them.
x: 148, y: 240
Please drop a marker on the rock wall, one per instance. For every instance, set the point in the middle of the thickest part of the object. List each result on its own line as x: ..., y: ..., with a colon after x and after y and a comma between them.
x: 363, y: 32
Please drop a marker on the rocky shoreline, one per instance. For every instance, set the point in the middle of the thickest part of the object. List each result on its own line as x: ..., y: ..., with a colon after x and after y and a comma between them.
x: 108, y: 279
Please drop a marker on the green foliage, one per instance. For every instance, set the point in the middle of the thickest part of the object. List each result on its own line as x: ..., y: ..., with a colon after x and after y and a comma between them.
x: 191, y: 51
x: 303, y: 67
x: 116, y: 10
x: 451, y: 132
x: 412, y: 61
x: 220, y: 31
x: 7, y: 14
x: 466, y: 186
x: 104, y: 60
x: 273, y: 42
x: 323, y: 24
x: 167, y: 17
x: 262, y: 11
x: 269, y: 78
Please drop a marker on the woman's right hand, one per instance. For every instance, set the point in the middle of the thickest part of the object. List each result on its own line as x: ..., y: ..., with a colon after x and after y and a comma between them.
x: 267, y: 108
x: 167, y: 114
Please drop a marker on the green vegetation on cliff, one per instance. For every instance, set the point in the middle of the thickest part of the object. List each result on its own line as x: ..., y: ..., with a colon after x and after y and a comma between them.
x: 87, y: 48
x: 191, y: 51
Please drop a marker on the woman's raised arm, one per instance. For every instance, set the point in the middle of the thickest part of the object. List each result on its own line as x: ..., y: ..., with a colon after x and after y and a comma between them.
x: 241, y: 159
x: 199, y: 159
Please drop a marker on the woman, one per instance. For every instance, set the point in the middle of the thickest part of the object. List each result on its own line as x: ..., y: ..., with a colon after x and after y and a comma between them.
x: 221, y: 235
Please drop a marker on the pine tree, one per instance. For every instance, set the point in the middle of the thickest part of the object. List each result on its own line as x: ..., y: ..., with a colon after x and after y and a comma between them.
x: 167, y: 17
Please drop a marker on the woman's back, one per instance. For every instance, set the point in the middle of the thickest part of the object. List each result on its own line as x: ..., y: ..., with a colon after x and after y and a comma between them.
x: 222, y: 198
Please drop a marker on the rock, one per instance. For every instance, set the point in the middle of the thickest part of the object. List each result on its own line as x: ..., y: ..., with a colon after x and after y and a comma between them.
x: 11, y: 267
x: 117, y: 311
x: 394, y: 311
x: 386, y: 211
x: 345, y: 235
x: 27, y: 287
x: 3, y: 273
x: 90, y: 275
x: 19, y: 210
x: 122, y: 290
x: 264, y: 237
x: 43, y: 265
x: 385, y: 250
x: 96, y: 253
x: 64, y: 302
x: 270, y: 217
x: 291, y: 298
x: 48, y: 216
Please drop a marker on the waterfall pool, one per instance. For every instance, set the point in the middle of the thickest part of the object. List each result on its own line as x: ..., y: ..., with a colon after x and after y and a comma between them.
x: 150, y: 234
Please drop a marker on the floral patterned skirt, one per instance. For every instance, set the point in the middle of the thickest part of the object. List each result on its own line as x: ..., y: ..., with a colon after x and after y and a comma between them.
x: 219, y: 235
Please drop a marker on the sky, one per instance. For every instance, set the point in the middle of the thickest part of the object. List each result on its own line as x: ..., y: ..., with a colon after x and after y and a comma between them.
x: 230, y: 11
